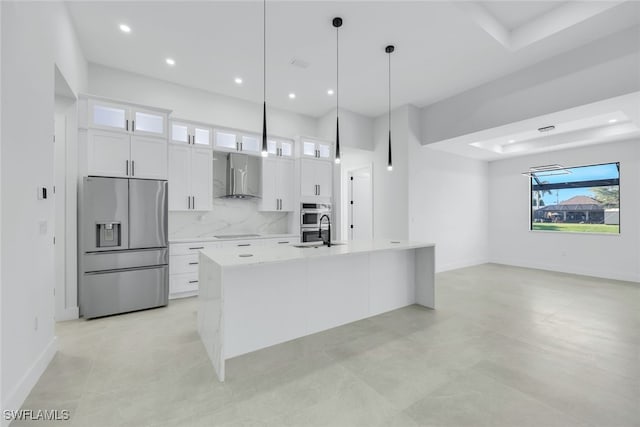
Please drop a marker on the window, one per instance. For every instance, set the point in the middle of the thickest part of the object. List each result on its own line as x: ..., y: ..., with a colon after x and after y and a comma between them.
x: 584, y: 199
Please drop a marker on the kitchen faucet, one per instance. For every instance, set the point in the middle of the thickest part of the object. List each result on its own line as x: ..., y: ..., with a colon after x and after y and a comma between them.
x: 328, y: 242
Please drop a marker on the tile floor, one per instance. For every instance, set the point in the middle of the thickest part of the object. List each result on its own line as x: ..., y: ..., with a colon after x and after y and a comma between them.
x: 506, y: 347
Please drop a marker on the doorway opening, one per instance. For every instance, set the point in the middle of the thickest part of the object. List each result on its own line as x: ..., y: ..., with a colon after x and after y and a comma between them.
x: 65, y: 200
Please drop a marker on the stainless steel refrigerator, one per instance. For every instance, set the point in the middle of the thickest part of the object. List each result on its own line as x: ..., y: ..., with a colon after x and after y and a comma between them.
x: 124, y: 254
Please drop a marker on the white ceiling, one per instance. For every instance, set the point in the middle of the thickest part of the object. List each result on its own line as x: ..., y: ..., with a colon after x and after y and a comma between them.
x: 604, y: 121
x: 442, y: 48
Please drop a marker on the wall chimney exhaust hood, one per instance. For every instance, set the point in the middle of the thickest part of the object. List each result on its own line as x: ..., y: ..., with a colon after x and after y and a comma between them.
x: 236, y: 176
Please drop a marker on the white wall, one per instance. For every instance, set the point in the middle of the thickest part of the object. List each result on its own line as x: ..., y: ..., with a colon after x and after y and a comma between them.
x: 448, y: 203
x: 196, y: 104
x: 603, y: 69
x: 609, y: 256
x: 356, y: 130
x: 390, y: 188
x: 35, y: 36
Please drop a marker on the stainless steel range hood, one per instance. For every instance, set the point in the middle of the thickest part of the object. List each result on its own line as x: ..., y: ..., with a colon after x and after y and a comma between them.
x: 240, y: 174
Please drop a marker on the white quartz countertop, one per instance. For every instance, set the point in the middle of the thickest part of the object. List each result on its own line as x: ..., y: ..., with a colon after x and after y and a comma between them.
x: 222, y: 239
x: 234, y: 257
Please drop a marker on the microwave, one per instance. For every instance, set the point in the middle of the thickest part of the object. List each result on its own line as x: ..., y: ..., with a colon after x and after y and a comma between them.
x: 310, y: 214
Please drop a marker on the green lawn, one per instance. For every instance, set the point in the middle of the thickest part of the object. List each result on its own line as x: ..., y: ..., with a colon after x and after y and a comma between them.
x: 581, y: 228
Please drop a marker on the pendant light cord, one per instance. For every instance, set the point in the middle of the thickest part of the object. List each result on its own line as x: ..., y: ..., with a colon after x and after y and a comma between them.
x: 264, y: 50
x: 337, y: 68
x: 389, y: 100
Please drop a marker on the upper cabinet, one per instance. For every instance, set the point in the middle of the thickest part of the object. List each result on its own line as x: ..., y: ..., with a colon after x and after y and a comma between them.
x: 314, y: 148
x: 119, y: 117
x: 277, y: 184
x: 279, y: 147
x: 188, y: 133
x: 124, y: 140
x: 232, y: 140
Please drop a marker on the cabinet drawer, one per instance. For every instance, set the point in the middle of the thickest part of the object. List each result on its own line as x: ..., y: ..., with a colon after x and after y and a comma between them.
x: 179, y: 264
x: 179, y: 283
x: 190, y: 248
x: 242, y: 243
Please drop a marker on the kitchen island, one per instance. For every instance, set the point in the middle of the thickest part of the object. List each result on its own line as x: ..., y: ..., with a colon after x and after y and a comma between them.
x: 255, y: 298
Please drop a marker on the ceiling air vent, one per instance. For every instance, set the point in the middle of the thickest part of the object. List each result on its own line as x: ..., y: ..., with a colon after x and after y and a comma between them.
x: 546, y: 128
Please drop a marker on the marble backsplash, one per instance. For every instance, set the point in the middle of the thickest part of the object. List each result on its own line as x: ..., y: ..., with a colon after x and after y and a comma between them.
x: 229, y: 216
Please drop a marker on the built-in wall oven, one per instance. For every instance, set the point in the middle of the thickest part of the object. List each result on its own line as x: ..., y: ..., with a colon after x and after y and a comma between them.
x: 310, y: 214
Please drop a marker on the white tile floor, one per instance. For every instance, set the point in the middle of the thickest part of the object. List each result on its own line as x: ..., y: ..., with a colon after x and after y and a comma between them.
x: 505, y: 347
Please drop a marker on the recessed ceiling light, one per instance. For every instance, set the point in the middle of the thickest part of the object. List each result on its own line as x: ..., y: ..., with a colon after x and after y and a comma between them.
x: 238, y: 80
x: 613, y: 120
x: 125, y: 28
x: 511, y: 141
x: 170, y: 61
x: 292, y: 95
x: 330, y: 92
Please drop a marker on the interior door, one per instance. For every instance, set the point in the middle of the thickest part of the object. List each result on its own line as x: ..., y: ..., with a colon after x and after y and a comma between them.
x: 179, y: 174
x: 284, y: 182
x: 148, y: 157
x: 201, y: 179
x: 108, y: 153
x: 147, y: 213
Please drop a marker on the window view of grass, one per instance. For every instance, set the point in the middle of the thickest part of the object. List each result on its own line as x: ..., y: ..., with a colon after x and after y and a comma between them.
x: 582, y: 199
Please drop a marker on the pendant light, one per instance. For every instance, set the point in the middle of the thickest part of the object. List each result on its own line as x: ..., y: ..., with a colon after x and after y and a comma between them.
x: 337, y: 23
x: 389, y: 49
x: 265, y: 149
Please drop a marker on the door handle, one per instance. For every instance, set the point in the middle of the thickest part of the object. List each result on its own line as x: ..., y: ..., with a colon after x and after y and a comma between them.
x: 126, y: 168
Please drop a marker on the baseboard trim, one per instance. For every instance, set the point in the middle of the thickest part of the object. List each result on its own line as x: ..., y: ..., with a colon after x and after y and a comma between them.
x: 457, y: 265
x: 71, y: 313
x: 563, y: 269
x: 19, y: 394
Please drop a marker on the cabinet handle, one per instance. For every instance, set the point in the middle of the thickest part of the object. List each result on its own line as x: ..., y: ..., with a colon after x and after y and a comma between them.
x: 133, y: 125
x: 127, y: 124
x: 197, y: 247
x: 193, y: 203
x: 241, y: 148
x: 133, y: 168
x: 188, y: 202
x: 193, y: 281
x: 244, y: 244
x: 193, y: 263
x: 282, y: 243
x: 126, y: 168
x: 319, y: 189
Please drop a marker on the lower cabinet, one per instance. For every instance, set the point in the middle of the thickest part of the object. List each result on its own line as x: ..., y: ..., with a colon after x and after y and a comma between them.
x: 184, y: 259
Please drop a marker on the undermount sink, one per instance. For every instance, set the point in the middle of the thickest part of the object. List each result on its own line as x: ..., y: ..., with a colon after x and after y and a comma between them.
x: 316, y: 245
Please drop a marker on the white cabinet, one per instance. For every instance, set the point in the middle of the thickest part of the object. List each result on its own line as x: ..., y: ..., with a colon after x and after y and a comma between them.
x: 280, y: 147
x: 315, y: 179
x: 190, y: 178
x: 315, y: 148
x: 124, y: 140
x: 183, y: 267
x: 148, y: 157
x: 125, y: 118
x: 108, y: 153
x: 231, y: 140
x: 190, y: 134
x: 122, y: 155
x: 277, y: 184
